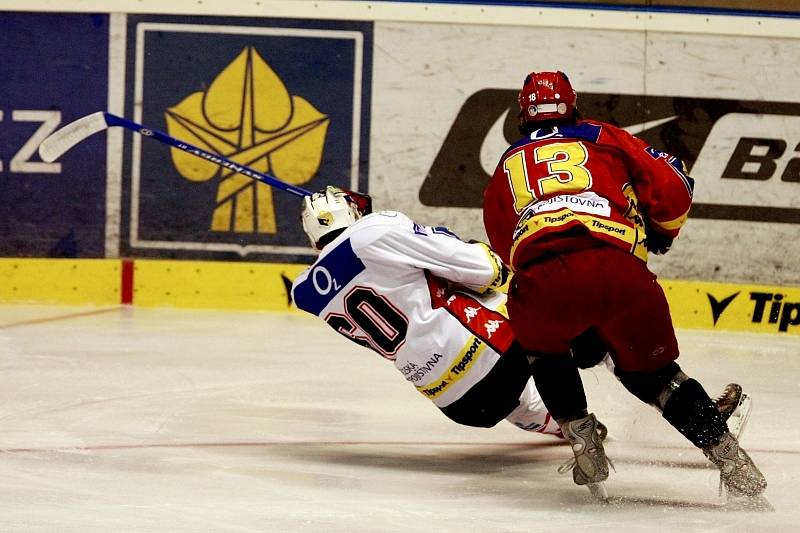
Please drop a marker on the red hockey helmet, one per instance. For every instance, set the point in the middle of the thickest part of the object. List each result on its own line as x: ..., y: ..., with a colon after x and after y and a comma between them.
x: 546, y: 96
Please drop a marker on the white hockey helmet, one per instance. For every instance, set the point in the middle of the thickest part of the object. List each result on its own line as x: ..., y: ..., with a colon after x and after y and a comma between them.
x: 326, y: 211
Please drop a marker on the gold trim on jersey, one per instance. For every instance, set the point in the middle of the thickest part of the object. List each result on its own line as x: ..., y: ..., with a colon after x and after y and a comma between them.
x: 463, y: 363
x: 553, y: 219
x: 502, y: 309
x: 497, y: 273
x: 673, y: 224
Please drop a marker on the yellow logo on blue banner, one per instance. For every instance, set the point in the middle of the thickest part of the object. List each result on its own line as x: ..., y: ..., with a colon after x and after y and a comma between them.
x: 248, y: 115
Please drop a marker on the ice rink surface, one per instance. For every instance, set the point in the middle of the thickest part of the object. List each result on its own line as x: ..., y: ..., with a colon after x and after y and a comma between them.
x: 143, y: 420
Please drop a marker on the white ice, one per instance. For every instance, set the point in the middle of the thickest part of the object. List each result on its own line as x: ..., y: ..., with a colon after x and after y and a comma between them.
x: 145, y: 420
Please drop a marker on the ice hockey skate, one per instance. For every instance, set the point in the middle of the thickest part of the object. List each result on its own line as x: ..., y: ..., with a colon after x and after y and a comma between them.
x: 738, y: 474
x: 590, y: 464
x: 734, y: 405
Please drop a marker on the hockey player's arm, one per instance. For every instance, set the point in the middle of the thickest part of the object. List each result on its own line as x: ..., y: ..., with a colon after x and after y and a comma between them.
x: 498, y: 219
x: 500, y: 274
x: 663, y: 187
x: 667, y: 187
x: 670, y: 196
x: 436, y: 249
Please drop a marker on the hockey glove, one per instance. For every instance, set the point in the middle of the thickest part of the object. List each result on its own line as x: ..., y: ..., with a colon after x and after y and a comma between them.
x: 658, y: 243
x: 503, y: 272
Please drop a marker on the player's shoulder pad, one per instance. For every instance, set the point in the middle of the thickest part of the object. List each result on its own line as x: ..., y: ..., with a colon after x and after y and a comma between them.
x: 609, y: 134
x: 374, y: 226
x: 299, y: 279
x: 522, y: 141
x: 381, y: 219
x: 602, y: 127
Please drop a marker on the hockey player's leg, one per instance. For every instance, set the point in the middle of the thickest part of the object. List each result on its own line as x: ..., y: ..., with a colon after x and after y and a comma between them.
x: 559, y: 383
x: 532, y: 415
x: 686, y: 406
x: 733, y: 403
x: 591, y: 463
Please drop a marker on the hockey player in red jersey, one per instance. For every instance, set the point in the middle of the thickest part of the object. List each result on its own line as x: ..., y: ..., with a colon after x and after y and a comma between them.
x: 412, y: 293
x: 574, y: 207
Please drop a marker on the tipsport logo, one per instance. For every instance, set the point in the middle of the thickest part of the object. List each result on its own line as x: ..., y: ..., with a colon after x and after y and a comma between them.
x: 763, y: 307
x: 289, y: 102
x: 745, y: 155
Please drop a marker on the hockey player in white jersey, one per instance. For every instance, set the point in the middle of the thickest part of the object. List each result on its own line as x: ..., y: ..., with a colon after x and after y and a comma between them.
x: 390, y: 284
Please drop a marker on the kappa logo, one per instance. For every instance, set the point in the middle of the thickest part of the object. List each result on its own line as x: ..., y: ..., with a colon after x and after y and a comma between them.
x: 471, y: 312
x: 751, y: 142
x: 491, y: 327
x: 248, y: 115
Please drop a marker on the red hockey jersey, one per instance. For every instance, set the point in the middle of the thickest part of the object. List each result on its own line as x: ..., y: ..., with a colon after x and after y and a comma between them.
x: 563, y: 188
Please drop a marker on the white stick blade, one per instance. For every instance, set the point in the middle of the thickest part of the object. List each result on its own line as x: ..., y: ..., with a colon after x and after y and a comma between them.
x: 62, y: 140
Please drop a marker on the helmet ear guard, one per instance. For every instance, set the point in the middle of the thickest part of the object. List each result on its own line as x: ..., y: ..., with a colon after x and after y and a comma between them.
x: 327, y: 211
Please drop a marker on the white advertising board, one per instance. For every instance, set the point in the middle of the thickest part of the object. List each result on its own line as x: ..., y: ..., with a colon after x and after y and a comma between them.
x: 443, y: 93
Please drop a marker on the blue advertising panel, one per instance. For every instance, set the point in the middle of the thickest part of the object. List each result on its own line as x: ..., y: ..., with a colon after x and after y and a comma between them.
x: 54, y: 69
x: 287, y: 98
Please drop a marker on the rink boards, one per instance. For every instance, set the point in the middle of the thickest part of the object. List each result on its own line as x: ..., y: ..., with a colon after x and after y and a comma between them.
x: 258, y: 286
x: 410, y: 102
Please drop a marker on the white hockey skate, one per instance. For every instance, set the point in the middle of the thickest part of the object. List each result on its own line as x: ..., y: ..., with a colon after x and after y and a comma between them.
x: 589, y: 465
x: 738, y: 474
x: 735, y: 406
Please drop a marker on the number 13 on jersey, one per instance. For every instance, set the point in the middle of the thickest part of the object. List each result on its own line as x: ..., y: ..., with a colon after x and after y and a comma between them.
x: 566, y: 172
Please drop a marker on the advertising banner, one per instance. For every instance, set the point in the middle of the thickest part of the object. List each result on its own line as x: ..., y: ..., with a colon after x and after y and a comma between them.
x: 734, y: 307
x: 445, y: 110
x: 287, y: 98
x: 414, y: 113
x: 54, y: 69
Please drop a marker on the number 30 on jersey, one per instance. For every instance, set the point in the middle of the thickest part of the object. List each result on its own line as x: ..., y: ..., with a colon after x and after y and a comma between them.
x: 382, y: 326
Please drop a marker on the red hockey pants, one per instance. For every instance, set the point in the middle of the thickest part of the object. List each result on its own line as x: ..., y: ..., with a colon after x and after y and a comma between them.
x: 552, y: 301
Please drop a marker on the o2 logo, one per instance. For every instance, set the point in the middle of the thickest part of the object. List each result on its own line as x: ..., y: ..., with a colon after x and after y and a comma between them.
x: 324, y: 283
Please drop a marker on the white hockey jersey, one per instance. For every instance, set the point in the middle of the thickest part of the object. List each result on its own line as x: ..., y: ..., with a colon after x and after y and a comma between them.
x: 380, y: 284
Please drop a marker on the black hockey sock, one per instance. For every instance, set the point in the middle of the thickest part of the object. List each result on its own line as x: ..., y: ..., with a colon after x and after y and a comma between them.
x: 560, y: 386
x: 682, y: 401
x: 647, y: 386
x: 691, y: 411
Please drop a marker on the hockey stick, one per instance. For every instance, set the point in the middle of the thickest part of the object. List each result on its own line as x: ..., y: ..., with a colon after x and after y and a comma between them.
x: 62, y: 140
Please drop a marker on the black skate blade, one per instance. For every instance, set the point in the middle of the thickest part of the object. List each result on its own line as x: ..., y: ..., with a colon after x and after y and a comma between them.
x: 598, y: 491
